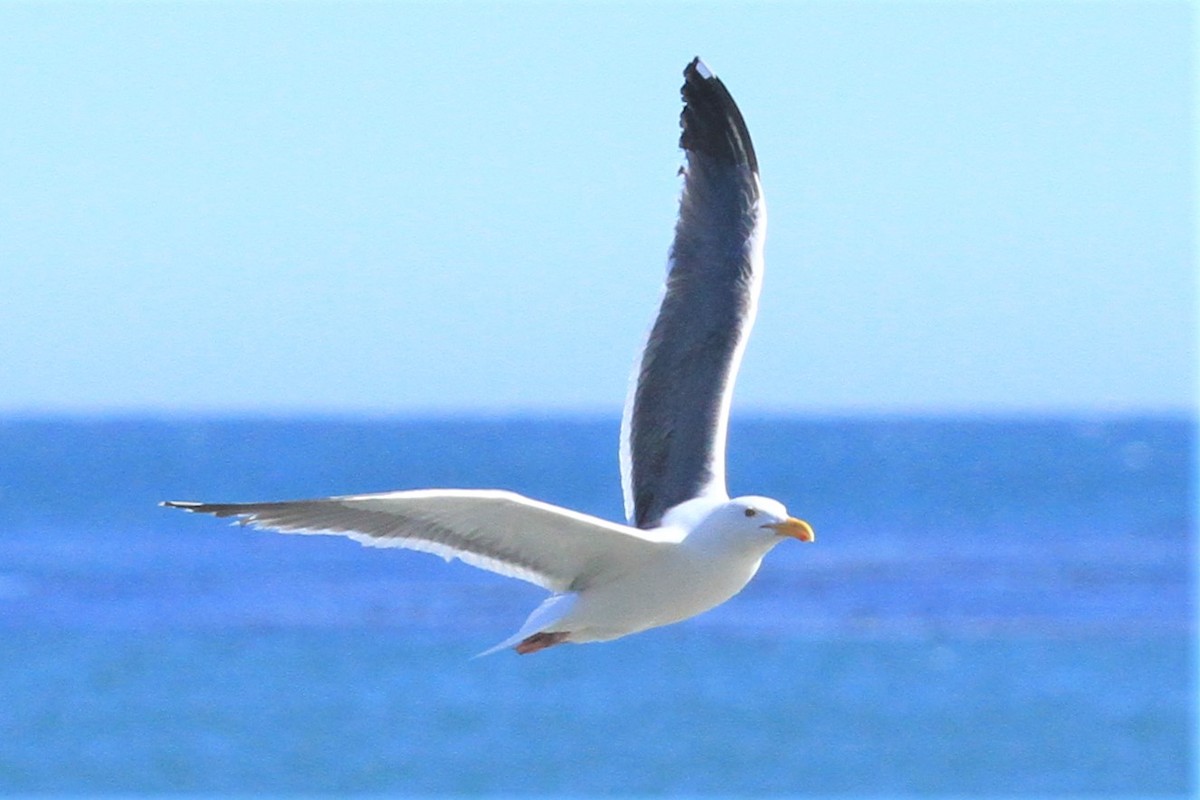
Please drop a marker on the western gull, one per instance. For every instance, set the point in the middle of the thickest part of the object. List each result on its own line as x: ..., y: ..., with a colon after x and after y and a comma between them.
x: 687, y: 546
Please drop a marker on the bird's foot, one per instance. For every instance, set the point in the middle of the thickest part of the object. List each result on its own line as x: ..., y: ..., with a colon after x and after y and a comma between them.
x: 540, y: 641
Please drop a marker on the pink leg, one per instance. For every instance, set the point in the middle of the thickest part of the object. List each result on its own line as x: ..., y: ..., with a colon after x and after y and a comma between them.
x: 540, y: 641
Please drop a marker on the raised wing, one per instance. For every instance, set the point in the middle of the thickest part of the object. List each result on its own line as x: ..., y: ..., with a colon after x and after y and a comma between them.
x: 674, y: 427
x: 556, y: 548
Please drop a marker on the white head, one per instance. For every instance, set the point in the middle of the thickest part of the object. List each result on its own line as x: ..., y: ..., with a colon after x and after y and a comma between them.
x: 755, y: 521
x: 765, y: 514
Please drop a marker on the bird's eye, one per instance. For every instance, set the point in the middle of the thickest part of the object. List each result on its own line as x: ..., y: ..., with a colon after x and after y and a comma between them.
x: 750, y: 512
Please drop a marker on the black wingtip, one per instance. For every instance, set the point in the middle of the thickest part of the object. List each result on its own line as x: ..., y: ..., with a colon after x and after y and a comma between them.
x: 711, y: 122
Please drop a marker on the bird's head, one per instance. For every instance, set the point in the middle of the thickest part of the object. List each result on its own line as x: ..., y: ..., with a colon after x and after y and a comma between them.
x: 763, y: 516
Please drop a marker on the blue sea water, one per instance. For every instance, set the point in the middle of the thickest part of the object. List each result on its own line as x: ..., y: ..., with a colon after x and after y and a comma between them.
x: 991, y: 608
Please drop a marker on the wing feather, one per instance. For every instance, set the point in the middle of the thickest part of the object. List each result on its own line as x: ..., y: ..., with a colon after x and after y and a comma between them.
x: 503, y: 532
x: 675, y: 422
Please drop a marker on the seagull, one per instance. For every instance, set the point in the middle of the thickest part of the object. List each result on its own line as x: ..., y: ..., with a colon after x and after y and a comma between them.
x: 687, y: 546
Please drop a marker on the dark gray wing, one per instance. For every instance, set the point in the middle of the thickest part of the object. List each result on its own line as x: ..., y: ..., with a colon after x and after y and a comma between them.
x: 673, y: 432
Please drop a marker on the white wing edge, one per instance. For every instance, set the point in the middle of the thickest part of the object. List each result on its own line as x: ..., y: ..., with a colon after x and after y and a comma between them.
x: 625, y: 451
x: 446, y: 552
x: 755, y: 244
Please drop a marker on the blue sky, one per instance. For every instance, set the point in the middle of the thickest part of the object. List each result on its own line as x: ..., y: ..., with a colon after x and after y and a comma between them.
x: 407, y: 208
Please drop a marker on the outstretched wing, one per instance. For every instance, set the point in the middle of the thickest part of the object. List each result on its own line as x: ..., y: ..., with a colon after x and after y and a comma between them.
x: 556, y: 548
x: 673, y: 432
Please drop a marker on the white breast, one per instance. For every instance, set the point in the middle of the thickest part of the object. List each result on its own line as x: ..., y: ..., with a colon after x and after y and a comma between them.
x: 681, y: 582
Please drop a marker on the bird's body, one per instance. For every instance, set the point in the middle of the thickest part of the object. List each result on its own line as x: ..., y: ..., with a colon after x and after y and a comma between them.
x: 688, y: 546
x: 677, y: 580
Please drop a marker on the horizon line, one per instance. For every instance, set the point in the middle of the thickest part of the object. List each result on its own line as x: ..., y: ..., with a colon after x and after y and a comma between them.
x: 265, y: 414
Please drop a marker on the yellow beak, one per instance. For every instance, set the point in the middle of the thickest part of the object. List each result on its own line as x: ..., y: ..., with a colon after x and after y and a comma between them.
x: 795, y: 528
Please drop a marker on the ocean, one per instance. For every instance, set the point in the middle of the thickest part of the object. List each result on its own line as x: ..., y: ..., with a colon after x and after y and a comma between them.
x: 993, y: 607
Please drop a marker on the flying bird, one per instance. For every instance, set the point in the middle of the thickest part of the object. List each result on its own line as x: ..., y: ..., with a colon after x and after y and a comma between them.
x: 687, y: 546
